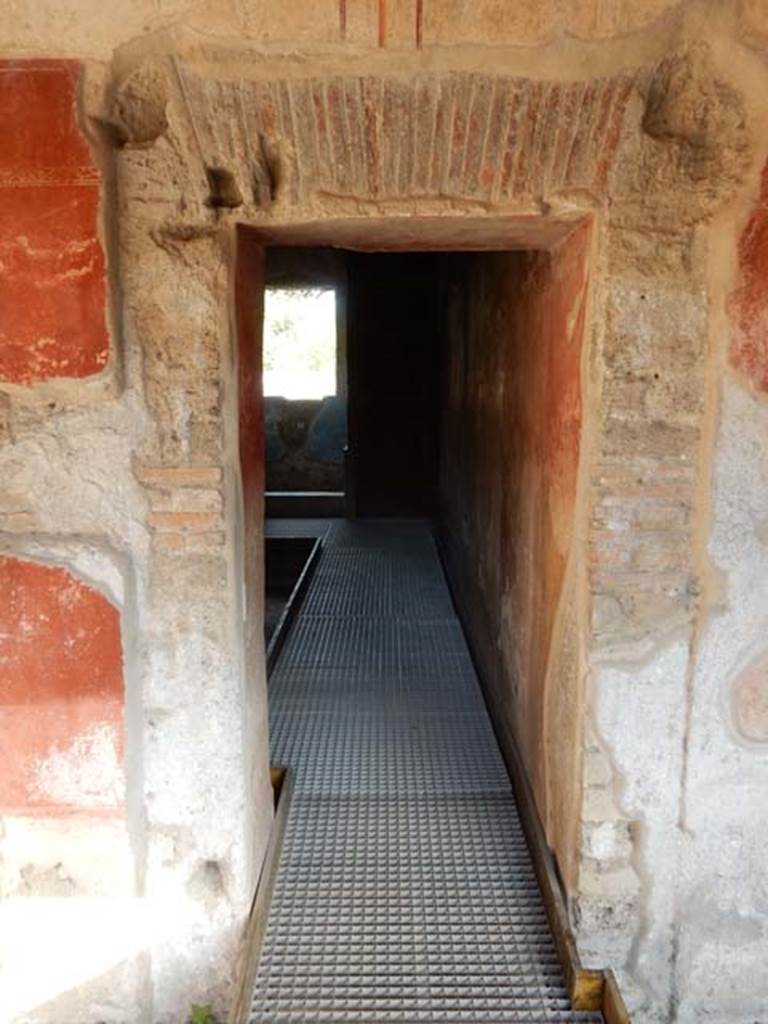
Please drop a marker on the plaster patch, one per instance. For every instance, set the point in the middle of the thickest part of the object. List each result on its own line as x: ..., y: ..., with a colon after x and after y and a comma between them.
x: 75, y: 474
x: 93, y: 852
x: 88, y: 561
x: 640, y: 720
x: 86, y: 773
x: 750, y: 702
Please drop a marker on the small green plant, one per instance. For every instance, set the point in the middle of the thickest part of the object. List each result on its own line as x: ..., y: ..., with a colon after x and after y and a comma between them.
x: 202, y: 1015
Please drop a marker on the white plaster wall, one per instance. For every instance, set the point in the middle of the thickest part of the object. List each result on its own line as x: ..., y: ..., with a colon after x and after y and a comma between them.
x: 639, y: 712
x: 722, y: 902
x: 673, y: 763
x: 155, y: 904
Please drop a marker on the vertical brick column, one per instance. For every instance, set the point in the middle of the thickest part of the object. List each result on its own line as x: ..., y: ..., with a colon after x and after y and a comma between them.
x: 644, y: 582
x: 207, y: 795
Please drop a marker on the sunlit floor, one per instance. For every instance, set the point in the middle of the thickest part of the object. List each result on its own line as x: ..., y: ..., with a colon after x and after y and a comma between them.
x: 405, y: 890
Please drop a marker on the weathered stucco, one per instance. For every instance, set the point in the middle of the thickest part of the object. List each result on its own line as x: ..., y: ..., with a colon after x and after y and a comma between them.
x: 435, y: 124
x: 63, y: 747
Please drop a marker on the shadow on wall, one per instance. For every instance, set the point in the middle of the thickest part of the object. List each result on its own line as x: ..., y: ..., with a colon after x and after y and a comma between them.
x: 304, y: 443
x: 511, y: 435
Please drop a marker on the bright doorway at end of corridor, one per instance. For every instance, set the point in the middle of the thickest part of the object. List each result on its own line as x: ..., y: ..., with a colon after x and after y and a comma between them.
x: 304, y: 382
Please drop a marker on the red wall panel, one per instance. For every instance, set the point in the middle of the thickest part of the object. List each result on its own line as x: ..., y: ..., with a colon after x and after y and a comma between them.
x: 61, y: 694
x: 53, y: 285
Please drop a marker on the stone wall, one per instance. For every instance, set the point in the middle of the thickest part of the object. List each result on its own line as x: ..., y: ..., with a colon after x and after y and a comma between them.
x: 123, y: 496
x: 387, y: 125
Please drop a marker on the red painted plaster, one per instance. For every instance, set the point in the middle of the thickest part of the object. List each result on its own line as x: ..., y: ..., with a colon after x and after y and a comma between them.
x: 750, y: 702
x: 61, y: 694
x: 542, y: 405
x: 53, y: 284
x: 249, y: 311
x: 748, y: 303
x: 511, y: 436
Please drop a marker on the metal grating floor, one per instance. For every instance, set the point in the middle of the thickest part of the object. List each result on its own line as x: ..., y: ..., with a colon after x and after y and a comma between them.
x: 405, y: 890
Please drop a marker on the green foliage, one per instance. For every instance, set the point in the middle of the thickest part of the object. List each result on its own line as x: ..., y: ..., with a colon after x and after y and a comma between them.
x: 202, y: 1015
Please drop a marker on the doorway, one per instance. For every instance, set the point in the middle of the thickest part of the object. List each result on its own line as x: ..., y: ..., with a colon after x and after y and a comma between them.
x: 351, y: 376
x: 463, y: 376
x: 304, y: 374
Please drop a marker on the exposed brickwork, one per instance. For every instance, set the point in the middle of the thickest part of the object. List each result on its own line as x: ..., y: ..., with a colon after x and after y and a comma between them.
x: 201, y: 541
x: 641, y: 542
x: 186, y: 507
x: 382, y: 138
x: 52, y: 288
x: 179, y: 476
x: 193, y: 522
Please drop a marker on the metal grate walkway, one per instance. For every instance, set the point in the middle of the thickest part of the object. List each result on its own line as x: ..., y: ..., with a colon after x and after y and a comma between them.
x: 405, y: 890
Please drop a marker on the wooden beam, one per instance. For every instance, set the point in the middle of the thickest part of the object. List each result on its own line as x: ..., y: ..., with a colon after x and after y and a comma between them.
x: 255, y: 927
x: 614, y: 1010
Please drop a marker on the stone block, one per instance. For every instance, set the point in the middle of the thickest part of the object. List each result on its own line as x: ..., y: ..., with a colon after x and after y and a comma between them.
x: 599, y: 804
x: 597, y: 769
x: 606, y: 841
x: 191, y: 522
x: 607, y: 884
x: 170, y: 477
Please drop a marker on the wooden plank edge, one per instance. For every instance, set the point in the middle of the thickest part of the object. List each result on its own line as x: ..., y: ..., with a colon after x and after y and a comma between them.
x: 292, y: 606
x: 614, y: 1008
x: 589, y: 989
x: 255, y: 926
x: 585, y: 985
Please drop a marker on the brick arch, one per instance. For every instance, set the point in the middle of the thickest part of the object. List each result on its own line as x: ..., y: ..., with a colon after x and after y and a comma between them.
x: 487, y: 138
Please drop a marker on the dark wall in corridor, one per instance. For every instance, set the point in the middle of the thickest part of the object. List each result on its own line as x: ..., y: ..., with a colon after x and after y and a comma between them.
x: 511, y: 426
x: 394, y: 374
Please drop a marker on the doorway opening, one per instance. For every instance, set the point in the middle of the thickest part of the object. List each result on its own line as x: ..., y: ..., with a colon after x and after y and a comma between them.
x: 462, y: 377
x: 304, y: 382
